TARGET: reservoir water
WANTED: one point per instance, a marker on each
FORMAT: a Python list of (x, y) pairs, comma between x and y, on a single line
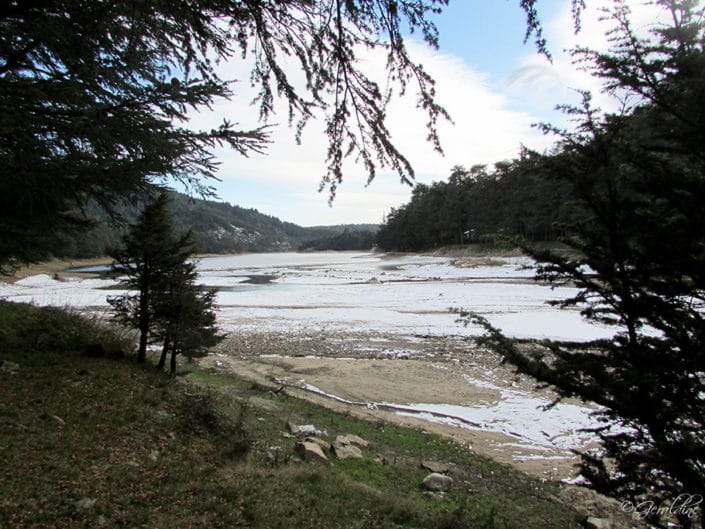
[(354, 292)]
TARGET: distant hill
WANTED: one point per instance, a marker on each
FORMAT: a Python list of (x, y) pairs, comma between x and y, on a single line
[(349, 239), (218, 227)]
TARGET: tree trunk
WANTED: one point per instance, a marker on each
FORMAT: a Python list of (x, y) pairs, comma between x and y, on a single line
[(144, 325), (165, 351), (172, 367), (142, 351)]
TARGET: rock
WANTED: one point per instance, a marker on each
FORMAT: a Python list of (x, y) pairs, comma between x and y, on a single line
[(437, 482), (597, 511), (597, 523), (310, 451), (292, 428), (85, 503), (343, 451), (309, 430), (325, 445), (9, 367), (434, 466), (352, 439), (154, 456), (303, 430)]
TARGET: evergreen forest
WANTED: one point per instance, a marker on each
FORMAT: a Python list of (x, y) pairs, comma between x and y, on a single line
[(216, 227), (480, 204)]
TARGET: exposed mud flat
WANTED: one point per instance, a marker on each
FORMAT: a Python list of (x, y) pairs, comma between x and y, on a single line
[(441, 385)]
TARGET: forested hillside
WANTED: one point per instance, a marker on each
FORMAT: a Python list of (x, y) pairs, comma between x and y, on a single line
[(353, 237), (478, 204), (217, 227)]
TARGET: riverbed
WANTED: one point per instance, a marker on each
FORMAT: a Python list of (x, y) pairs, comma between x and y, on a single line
[(375, 334)]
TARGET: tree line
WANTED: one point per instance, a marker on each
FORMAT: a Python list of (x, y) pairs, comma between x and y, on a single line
[(216, 227), (349, 239), (479, 204)]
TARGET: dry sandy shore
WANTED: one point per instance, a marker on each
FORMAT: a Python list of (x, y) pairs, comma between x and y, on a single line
[(55, 267), (349, 373)]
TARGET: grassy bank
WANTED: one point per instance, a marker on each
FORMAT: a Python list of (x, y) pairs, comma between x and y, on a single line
[(103, 442)]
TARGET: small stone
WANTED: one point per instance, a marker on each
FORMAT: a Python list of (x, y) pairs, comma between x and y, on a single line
[(154, 456), (437, 482), (310, 451), (434, 466), (292, 428), (598, 523), (342, 451), (309, 430), (86, 503), (303, 430), (352, 439)]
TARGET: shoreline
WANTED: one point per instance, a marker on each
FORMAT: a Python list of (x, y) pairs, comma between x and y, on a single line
[(445, 377), (56, 268)]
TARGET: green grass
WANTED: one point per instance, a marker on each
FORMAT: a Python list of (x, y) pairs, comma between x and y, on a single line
[(199, 450)]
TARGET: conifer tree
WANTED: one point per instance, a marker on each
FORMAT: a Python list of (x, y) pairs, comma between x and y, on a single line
[(184, 315), (637, 235), (151, 253)]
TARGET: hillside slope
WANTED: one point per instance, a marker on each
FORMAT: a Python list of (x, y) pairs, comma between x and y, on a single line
[(103, 442), (217, 227)]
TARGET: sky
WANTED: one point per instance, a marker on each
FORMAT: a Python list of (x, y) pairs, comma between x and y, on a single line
[(494, 86)]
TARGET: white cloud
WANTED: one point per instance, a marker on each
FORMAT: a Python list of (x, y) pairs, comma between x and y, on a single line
[(487, 129), (491, 122), (548, 83)]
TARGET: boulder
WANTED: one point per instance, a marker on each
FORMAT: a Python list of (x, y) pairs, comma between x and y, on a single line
[(434, 466), (437, 482), (343, 451), (325, 445), (352, 439), (310, 451)]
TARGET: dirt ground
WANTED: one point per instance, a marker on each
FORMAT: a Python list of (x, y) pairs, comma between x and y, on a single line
[(350, 374), (55, 267)]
